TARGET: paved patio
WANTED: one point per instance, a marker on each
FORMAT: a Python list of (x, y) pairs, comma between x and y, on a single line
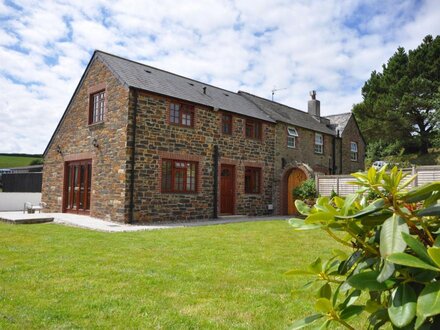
[(88, 222)]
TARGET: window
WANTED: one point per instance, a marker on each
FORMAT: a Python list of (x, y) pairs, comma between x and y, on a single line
[(253, 129), (319, 143), (182, 114), (178, 176), (292, 134), (97, 106), (226, 124), (252, 180), (353, 151)]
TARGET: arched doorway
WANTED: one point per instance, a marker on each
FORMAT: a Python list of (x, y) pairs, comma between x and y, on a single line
[(294, 179)]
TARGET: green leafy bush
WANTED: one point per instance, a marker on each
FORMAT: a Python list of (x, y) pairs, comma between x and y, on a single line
[(306, 190), (393, 271)]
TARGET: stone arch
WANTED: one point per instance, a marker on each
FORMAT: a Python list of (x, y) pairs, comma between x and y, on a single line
[(307, 170)]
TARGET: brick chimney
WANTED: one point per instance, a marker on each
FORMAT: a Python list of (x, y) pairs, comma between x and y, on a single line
[(314, 106)]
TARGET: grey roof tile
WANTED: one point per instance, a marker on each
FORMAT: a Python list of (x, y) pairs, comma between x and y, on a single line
[(148, 78), (339, 121), (286, 114)]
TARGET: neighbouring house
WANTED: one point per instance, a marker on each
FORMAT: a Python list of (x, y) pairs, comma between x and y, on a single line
[(139, 144)]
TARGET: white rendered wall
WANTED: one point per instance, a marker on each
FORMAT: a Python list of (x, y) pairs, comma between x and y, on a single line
[(14, 201)]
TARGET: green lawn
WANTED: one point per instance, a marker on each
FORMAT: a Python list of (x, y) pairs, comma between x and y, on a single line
[(213, 277), (8, 161)]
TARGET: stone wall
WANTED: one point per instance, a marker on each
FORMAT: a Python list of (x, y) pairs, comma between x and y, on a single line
[(352, 134), (156, 139), (288, 158), (75, 136)]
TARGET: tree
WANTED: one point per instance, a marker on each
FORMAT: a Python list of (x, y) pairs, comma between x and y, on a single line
[(401, 102)]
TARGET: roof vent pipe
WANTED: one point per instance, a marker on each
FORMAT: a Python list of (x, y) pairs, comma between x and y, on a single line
[(204, 90)]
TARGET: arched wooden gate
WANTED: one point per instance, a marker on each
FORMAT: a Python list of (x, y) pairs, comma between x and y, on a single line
[(295, 178)]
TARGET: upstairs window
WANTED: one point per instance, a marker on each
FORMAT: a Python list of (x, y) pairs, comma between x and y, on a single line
[(179, 176), (253, 129), (353, 151), (252, 180), (182, 115), (97, 106), (227, 124), (292, 134), (319, 143)]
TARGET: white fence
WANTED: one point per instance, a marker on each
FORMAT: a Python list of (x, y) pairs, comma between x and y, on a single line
[(14, 201), (325, 184)]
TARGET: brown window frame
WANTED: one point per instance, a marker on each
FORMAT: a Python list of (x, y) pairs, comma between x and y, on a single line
[(227, 122), (255, 131), (97, 108), (182, 111), (255, 175), (176, 167)]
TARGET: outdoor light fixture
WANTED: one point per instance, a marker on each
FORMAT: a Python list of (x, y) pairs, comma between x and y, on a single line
[(95, 143), (58, 149)]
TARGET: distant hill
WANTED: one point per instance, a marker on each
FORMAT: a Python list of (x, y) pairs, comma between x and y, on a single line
[(17, 160)]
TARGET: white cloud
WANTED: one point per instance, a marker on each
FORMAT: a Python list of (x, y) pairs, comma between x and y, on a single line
[(252, 45)]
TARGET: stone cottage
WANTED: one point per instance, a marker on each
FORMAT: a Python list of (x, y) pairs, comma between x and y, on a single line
[(139, 144)]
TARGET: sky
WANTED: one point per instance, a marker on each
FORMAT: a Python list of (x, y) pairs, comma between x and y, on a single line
[(293, 46)]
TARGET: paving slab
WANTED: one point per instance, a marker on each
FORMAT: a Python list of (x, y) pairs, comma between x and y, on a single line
[(24, 218), (88, 222)]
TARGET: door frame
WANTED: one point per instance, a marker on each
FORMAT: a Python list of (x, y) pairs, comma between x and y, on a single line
[(283, 207), (65, 200), (233, 171)]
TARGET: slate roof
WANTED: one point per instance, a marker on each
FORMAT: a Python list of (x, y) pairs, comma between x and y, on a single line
[(138, 75), (286, 114), (148, 78), (339, 121)]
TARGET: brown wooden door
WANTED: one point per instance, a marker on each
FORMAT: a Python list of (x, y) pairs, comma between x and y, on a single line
[(77, 186), (295, 178), (227, 189)]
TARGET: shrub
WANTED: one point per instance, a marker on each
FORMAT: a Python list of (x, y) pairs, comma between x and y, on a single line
[(37, 162), (306, 190), (394, 264)]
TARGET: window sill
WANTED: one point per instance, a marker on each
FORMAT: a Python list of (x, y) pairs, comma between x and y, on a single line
[(97, 124), (181, 126), (253, 139), (291, 147), (178, 193)]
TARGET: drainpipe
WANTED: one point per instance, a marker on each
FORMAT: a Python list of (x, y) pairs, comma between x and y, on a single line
[(215, 173), (340, 152), (133, 161), (334, 156)]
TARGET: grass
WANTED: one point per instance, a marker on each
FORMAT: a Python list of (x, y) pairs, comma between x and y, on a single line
[(213, 277), (407, 160), (8, 161)]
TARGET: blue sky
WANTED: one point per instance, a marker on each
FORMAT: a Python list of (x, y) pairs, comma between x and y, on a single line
[(252, 45)]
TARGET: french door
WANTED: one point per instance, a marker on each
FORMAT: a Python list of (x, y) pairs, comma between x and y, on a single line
[(77, 186)]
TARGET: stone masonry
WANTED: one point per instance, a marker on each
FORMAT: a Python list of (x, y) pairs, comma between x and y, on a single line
[(74, 139), (157, 139), (352, 134)]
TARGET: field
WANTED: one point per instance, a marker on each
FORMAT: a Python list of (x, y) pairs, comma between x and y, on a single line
[(213, 277), (13, 160)]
